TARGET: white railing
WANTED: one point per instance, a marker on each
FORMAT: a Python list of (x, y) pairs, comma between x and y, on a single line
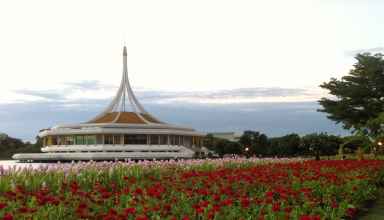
[(106, 148), (185, 153)]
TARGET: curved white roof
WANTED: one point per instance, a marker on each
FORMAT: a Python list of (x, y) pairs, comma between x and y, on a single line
[(123, 115)]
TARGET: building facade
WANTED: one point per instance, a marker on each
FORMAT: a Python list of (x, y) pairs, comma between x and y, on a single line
[(124, 130)]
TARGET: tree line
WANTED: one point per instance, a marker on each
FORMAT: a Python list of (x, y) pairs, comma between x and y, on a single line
[(10, 146), (253, 143)]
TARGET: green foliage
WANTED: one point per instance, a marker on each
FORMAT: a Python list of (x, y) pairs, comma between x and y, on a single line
[(288, 145), (376, 125), (320, 144), (352, 143), (255, 141), (221, 146), (10, 146), (358, 97)]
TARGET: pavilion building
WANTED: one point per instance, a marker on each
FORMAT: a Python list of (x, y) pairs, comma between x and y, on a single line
[(124, 130)]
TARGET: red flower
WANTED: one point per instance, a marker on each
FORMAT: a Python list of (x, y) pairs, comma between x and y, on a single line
[(23, 210), (199, 210), (106, 195), (112, 211), (167, 207), (226, 202), (245, 202), (2, 205), (351, 212), (8, 216), (276, 207), (129, 211), (138, 191), (287, 209), (142, 218), (155, 191), (216, 197), (82, 206), (216, 208), (310, 217), (109, 217), (74, 187), (82, 211), (269, 194)]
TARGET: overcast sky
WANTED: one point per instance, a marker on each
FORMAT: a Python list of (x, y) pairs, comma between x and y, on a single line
[(57, 55)]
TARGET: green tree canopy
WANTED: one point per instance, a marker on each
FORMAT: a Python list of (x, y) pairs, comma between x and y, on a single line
[(352, 143), (10, 146), (255, 141), (359, 96), (222, 146), (320, 144), (287, 145)]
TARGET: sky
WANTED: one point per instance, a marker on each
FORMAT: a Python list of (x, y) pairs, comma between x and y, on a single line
[(213, 65)]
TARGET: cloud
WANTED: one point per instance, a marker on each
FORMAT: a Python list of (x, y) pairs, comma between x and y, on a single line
[(264, 92), (88, 85), (24, 120), (272, 110), (80, 91), (373, 50), (69, 92), (241, 95), (43, 94)]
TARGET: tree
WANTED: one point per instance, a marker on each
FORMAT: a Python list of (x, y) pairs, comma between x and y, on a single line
[(320, 144), (377, 126), (288, 145), (352, 143), (209, 142), (221, 146), (359, 96), (331, 145), (10, 146), (255, 141)]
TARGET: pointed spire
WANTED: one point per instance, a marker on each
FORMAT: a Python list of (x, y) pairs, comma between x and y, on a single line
[(125, 51), (118, 105), (125, 63)]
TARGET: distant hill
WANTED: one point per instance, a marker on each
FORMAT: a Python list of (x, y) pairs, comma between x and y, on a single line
[(10, 146)]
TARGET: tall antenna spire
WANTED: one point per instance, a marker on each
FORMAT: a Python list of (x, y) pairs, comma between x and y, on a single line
[(118, 106), (125, 73), (125, 50)]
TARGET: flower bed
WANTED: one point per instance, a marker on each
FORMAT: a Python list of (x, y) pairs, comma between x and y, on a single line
[(214, 189)]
